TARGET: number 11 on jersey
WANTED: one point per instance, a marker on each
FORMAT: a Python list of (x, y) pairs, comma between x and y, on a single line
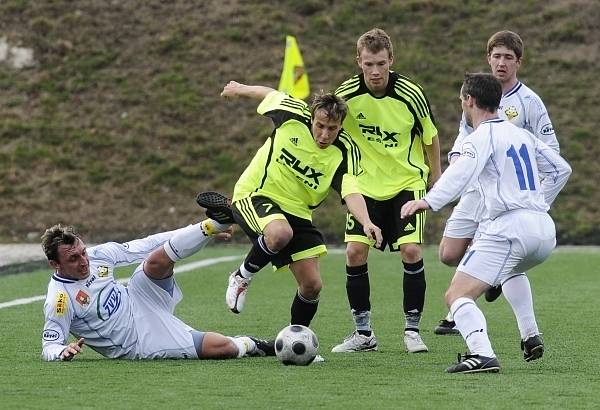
[(522, 156)]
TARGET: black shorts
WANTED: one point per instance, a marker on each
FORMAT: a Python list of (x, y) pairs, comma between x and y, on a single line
[(386, 215), (255, 212)]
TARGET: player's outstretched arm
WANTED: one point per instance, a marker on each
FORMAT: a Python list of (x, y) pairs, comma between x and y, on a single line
[(72, 350), (235, 89)]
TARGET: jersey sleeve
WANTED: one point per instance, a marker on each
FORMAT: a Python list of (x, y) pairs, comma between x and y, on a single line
[(414, 94), (463, 130), (553, 169), (461, 174), (58, 315), (540, 122), (280, 107)]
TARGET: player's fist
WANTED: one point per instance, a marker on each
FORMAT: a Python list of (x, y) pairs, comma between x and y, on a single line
[(231, 89)]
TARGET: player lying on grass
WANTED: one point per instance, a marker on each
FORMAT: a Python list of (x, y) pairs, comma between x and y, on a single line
[(134, 321)]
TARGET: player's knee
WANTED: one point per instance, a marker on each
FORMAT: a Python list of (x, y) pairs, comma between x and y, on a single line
[(448, 257), (311, 288), (158, 265), (356, 254), (411, 252), (278, 237)]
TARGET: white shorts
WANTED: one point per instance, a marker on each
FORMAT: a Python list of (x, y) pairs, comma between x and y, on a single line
[(465, 217), (514, 242), (161, 335)]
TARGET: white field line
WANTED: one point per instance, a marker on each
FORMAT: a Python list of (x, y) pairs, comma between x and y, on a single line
[(178, 269)]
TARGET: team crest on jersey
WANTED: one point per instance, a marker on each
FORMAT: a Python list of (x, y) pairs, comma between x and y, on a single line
[(61, 303), (82, 298), (511, 112), (102, 271)]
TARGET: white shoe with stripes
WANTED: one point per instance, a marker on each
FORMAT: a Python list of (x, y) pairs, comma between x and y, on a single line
[(474, 363)]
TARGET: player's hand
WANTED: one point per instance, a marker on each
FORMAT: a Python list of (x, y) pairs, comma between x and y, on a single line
[(225, 236), (374, 233), (412, 207), (72, 350), (231, 89)]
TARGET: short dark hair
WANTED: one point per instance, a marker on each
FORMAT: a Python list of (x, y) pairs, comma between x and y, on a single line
[(55, 236), (508, 39), (374, 41), (485, 88), (335, 106)]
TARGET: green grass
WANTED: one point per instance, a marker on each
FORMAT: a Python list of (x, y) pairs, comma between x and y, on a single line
[(566, 377)]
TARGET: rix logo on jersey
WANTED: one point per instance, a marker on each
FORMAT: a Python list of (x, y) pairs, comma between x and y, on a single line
[(287, 158), (375, 134)]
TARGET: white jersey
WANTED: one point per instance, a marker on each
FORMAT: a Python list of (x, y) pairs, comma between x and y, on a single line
[(523, 108), (507, 164), (97, 308)]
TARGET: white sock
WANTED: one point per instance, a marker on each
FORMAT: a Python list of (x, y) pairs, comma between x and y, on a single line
[(185, 242), (244, 345), (472, 326), (449, 317), (517, 292), (245, 272)]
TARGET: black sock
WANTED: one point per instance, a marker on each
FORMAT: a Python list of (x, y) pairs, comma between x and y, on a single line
[(358, 288), (259, 256), (414, 286), (303, 310)]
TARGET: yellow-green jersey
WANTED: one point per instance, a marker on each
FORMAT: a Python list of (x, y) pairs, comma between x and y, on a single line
[(290, 168), (390, 132)]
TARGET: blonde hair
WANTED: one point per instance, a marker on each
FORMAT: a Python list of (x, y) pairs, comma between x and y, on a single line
[(335, 107), (374, 41)]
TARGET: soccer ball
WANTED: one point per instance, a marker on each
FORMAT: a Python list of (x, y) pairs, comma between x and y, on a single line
[(296, 345)]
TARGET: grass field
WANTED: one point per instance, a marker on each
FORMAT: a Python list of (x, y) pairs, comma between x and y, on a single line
[(566, 377)]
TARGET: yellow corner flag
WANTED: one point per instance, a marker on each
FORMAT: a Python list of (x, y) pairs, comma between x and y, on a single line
[(294, 80)]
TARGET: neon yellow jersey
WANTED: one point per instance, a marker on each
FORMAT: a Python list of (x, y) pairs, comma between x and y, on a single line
[(290, 168), (390, 132)]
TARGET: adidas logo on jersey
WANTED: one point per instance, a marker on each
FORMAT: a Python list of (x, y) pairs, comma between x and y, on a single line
[(294, 140), (409, 227), (360, 116)]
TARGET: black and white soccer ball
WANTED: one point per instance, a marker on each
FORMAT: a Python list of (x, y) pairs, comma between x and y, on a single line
[(296, 345)]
